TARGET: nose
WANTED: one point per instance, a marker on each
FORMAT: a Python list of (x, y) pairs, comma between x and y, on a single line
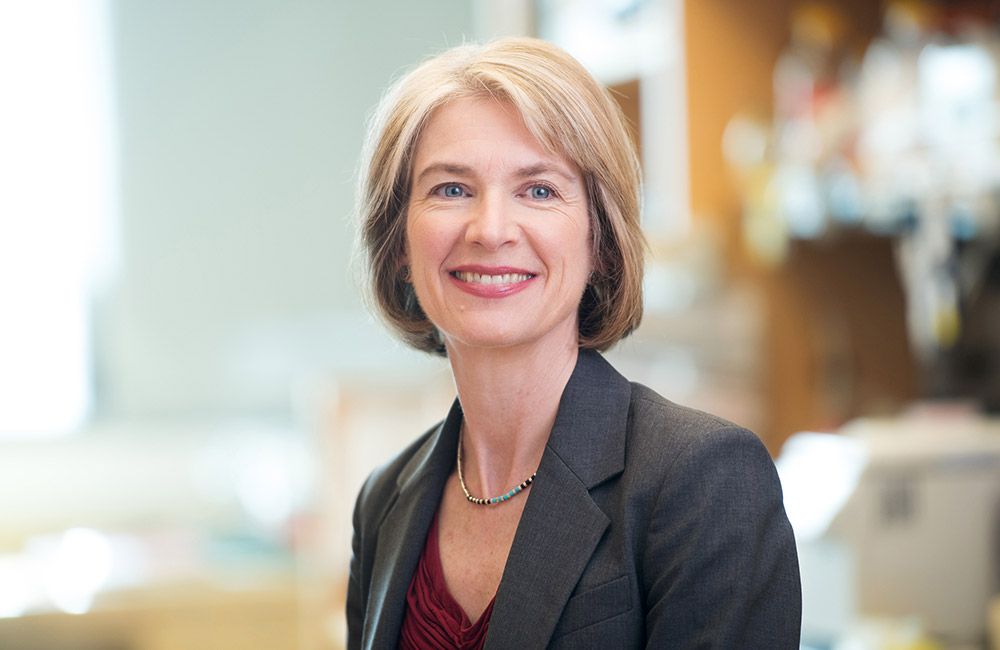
[(491, 223)]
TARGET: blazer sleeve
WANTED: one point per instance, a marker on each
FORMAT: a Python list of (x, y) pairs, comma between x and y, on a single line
[(357, 583), (720, 568)]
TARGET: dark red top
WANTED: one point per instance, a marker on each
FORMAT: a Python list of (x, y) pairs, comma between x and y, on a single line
[(434, 621)]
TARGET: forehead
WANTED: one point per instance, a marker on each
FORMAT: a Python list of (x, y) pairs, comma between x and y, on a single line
[(481, 131)]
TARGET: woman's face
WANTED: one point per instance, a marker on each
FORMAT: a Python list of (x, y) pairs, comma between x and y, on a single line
[(497, 232)]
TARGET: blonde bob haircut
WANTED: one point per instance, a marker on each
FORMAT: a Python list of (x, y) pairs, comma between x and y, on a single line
[(570, 114)]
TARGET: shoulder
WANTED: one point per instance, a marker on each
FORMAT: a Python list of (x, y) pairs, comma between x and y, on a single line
[(380, 489), (683, 448), (376, 499), (656, 422), (718, 558), (650, 410)]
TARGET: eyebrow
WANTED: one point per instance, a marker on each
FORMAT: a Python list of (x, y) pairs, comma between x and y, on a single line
[(522, 172), (544, 168), (448, 168)]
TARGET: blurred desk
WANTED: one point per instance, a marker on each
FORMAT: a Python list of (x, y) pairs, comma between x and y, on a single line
[(995, 623), (165, 535), (188, 616)]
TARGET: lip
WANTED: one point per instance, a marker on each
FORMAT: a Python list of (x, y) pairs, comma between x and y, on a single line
[(498, 290)]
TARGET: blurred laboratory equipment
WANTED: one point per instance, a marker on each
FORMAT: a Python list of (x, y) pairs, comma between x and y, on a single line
[(896, 520), (899, 139), (813, 118)]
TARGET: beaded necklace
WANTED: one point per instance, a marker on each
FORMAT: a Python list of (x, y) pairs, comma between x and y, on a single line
[(488, 502)]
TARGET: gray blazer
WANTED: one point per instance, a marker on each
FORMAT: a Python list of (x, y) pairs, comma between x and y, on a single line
[(648, 525)]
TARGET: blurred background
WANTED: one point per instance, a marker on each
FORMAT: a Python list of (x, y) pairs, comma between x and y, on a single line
[(191, 390)]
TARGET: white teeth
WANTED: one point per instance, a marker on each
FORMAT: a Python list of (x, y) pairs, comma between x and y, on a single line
[(478, 278)]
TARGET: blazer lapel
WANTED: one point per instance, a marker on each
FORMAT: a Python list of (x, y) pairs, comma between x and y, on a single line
[(402, 534), (561, 525)]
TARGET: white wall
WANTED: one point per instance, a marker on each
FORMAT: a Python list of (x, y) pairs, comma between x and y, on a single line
[(240, 126)]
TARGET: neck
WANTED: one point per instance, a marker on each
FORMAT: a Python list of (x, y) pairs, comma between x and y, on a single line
[(509, 400)]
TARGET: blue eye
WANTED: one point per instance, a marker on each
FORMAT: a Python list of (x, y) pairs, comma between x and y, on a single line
[(452, 191), (540, 192)]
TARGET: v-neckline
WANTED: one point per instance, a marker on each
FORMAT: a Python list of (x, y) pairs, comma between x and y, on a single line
[(441, 586)]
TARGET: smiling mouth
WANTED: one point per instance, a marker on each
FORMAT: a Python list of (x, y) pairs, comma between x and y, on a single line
[(482, 278)]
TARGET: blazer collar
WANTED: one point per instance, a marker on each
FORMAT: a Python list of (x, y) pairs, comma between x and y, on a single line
[(561, 524), (403, 532), (589, 431), (559, 529)]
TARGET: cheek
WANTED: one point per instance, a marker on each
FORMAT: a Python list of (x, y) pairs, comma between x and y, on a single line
[(426, 245), (579, 248)]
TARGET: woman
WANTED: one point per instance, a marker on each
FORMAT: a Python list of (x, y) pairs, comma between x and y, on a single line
[(557, 505)]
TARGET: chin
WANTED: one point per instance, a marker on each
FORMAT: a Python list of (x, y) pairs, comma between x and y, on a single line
[(500, 340), (492, 342)]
